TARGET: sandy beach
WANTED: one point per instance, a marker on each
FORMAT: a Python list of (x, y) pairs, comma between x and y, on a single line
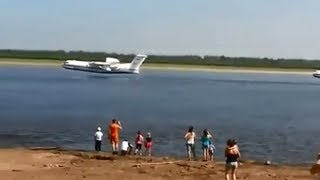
[(51, 164), (222, 69), (227, 69)]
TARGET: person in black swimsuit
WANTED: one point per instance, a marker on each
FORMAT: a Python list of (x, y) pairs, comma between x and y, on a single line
[(232, 155)]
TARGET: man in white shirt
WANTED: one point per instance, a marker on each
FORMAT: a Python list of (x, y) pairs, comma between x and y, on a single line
[(98, 138), (126, 147)]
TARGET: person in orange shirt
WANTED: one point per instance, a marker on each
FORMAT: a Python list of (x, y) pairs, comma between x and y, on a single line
[(113, 135)]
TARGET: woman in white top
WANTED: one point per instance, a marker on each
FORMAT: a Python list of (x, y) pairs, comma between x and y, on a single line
[(190, 137)]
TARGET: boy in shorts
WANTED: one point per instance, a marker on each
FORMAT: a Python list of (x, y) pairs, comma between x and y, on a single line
[(212, 149)]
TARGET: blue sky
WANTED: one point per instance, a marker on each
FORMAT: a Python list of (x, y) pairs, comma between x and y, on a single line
[(255, 28)]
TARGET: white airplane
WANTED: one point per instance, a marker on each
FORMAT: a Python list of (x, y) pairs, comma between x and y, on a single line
[(316, 74), (111, 65)]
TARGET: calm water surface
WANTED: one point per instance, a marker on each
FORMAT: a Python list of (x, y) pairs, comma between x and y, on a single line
[(273, 116)]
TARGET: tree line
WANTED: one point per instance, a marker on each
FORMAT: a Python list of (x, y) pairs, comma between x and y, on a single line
[(162, 59)]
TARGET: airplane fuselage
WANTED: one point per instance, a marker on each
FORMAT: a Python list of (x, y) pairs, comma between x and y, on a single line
[(110, 66), (99, 67), (316, 74)]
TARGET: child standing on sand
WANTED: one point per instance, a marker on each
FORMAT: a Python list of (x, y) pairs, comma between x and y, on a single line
[(98, 139), (139, 142), (212, 149), (148, 143), (205, 140), (124, 147)]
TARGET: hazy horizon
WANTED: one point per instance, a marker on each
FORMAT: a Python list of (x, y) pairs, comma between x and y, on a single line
[(250, 28)]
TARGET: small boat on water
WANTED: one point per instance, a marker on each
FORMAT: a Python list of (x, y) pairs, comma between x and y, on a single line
[(316, 74)]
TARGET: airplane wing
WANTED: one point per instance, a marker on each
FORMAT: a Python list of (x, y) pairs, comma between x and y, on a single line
[(98, 65), (108, 66)]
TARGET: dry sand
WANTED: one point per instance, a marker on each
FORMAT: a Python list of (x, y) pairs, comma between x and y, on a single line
[(73, 165)]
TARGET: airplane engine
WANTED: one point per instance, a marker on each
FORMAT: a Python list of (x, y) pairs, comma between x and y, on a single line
[(108, 68)]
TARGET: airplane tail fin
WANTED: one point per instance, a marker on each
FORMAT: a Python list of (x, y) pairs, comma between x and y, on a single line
[(137, 62)]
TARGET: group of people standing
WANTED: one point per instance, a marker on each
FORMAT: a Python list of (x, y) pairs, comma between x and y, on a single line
[(126, 146), (208, 147), (232, 152)]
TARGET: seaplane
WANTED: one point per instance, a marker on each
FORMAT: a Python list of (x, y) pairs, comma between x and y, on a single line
[(110, 66), (316, 74)]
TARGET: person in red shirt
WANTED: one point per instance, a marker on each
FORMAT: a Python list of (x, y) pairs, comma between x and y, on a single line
[(113, 133)]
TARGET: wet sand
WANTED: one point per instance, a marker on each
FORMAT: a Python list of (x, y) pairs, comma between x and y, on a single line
[(46, 164)]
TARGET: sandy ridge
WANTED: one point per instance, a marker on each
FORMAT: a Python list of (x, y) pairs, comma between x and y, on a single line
[(175, 68)]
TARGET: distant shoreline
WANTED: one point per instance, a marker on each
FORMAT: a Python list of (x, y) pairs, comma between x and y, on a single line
[(209, 68)]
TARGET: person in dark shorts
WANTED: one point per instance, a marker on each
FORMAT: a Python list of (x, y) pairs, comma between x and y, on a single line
[(98, 139), (190, 140), (232, 155), (139, 141)]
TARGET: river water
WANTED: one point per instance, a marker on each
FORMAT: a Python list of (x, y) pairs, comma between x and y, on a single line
[(273, 116)]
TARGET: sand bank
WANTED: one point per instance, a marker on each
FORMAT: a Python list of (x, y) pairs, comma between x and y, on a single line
[(222, 69), (69, 165), (228, 69), (8, 62)]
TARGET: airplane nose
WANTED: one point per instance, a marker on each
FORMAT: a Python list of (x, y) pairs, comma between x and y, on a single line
[(65, 64)]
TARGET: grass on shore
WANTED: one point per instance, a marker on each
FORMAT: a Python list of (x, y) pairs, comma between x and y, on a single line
[(39, 62)]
